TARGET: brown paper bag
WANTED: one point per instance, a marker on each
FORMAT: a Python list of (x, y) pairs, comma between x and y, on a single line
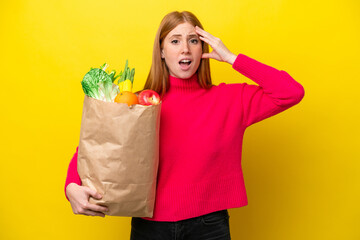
[(118, 155)]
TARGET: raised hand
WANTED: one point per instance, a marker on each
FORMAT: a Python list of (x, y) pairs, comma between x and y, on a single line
[(220, 51)]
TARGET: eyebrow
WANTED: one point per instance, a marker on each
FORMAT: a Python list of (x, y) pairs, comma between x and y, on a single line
[(189, 36)]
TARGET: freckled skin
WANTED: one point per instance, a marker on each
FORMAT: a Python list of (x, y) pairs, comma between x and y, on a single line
[(183, 46)]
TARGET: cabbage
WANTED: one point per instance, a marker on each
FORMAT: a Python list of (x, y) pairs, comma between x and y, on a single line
[(99, 84)]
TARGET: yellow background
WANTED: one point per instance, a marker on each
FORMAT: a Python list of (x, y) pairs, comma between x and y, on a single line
[(301, 167)]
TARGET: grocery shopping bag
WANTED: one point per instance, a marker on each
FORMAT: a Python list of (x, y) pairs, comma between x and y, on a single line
[(118, 155)]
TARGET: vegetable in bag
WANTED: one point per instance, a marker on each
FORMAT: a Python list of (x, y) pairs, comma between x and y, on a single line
[(99, 84)]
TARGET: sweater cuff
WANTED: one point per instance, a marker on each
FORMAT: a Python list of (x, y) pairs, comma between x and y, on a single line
[(240, 61), (72, 174), (253, 69), (236, 63)]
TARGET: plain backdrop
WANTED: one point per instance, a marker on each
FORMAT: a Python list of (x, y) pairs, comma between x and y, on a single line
[(301, 167)]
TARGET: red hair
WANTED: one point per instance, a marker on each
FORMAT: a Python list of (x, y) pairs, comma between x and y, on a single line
[(158, 78)]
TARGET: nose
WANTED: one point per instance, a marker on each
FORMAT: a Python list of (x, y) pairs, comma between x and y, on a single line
[(185, 47)]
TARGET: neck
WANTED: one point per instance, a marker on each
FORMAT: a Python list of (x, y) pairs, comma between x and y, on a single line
[(184, 85)]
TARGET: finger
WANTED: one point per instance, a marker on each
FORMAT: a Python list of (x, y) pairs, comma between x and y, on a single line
[(207, 37), (203, 32), (96, 208), (207, 55), (211, 42), (212, 55), (92, 213), (93, 193), (205, 40)]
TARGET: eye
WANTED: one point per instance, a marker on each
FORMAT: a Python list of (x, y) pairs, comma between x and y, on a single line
[(174, 41), (194, 40)]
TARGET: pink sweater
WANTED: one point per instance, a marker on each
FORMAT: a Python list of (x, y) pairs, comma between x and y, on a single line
[(201, 138)]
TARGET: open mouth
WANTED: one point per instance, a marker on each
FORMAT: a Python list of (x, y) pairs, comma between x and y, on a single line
[(185, 62)]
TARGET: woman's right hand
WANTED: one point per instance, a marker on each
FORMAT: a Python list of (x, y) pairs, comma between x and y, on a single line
[(79, 200)]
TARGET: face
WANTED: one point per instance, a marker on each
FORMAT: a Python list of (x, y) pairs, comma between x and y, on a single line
[(182, 50)]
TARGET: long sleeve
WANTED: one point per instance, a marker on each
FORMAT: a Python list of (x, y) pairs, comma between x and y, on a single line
[(277, 90), (200, 169), (72, 173)]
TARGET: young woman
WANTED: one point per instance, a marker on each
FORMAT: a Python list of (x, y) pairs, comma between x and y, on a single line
[(202, 128)]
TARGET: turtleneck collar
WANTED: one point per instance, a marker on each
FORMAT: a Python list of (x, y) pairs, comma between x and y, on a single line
[(184, 85)]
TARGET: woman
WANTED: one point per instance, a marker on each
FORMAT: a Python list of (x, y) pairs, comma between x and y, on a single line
[(202, 128)]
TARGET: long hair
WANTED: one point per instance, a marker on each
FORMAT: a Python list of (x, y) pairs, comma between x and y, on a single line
[(158, 78)]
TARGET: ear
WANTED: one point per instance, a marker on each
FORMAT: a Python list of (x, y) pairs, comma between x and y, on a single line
[(162, 54)]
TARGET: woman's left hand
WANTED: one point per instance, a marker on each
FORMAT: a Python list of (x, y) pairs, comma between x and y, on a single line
[(220, 51)]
